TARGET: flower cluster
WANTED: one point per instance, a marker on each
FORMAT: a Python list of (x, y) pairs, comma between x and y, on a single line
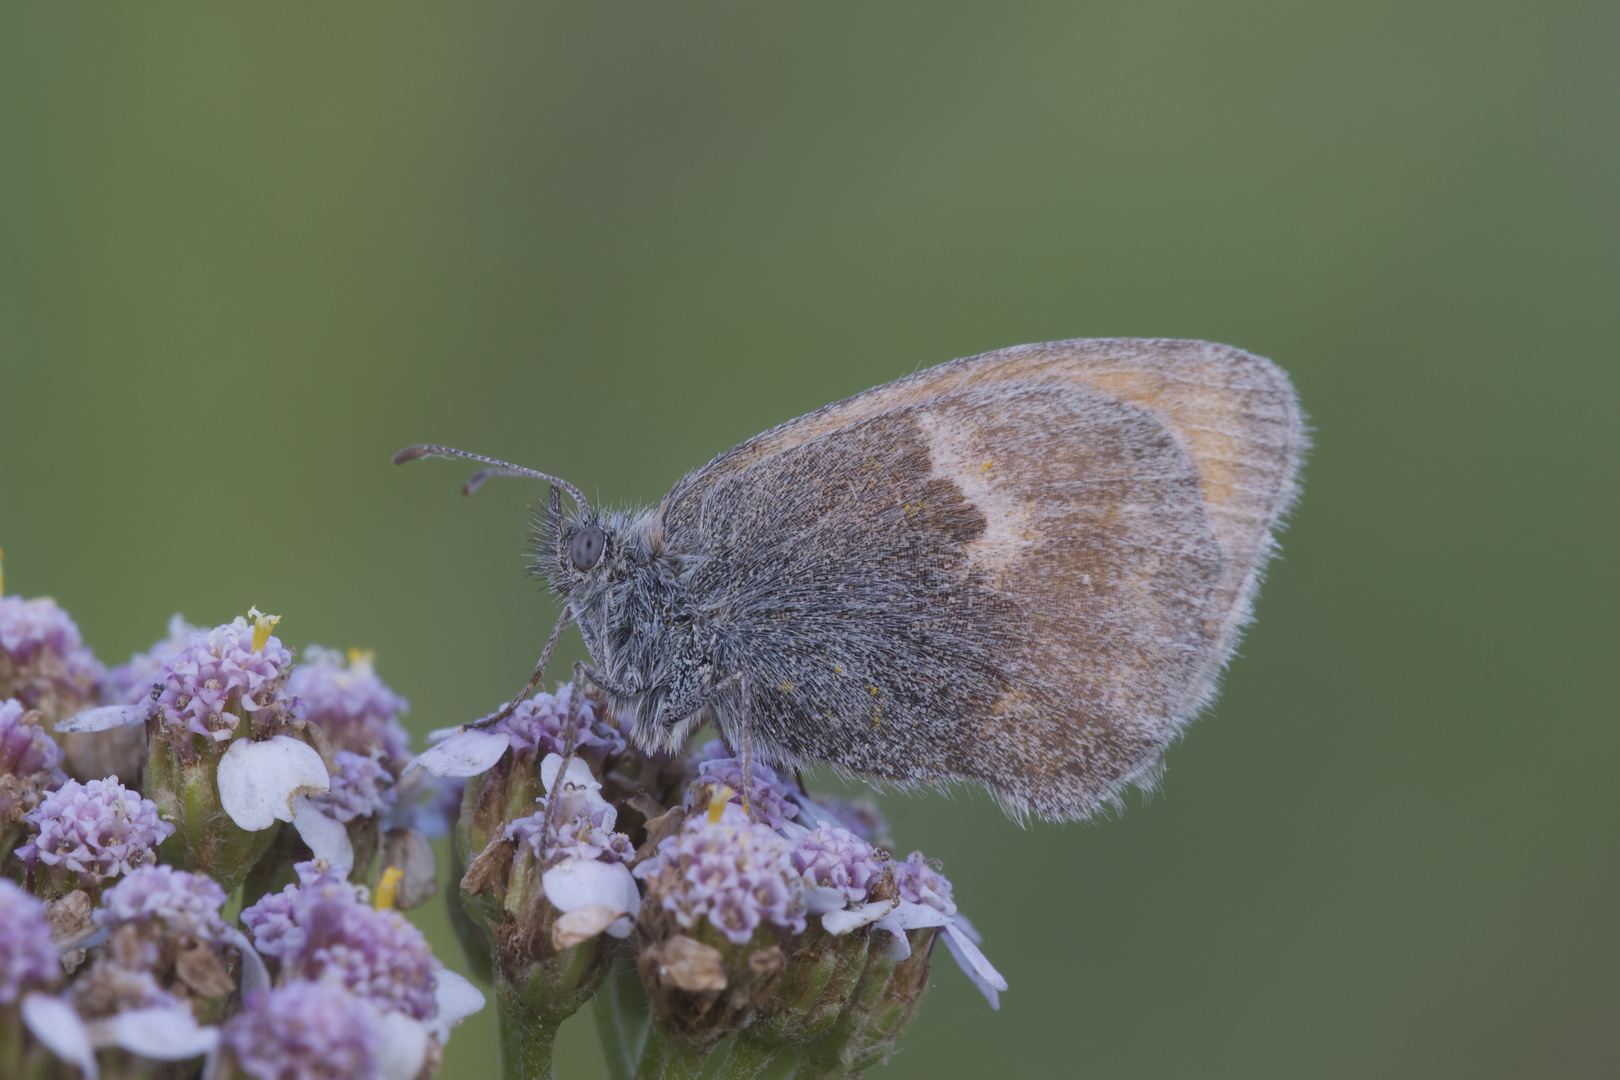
[(184, 902), (132, 683), (218, 678), (539, 724), (320, 929), (582, 829), (44, 663), (836, 862), (361, 787), (305, 1031), (753, 911), (96, 830), (733, 872), (116, 953), (30, 763), (770, 799)]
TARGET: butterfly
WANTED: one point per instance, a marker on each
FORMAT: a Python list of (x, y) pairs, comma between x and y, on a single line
[(1023, 570)]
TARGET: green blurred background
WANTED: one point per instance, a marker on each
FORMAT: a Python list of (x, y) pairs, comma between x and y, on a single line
[(248, 251)]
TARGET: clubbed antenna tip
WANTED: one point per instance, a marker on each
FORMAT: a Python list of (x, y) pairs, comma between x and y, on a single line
[(496, 468)]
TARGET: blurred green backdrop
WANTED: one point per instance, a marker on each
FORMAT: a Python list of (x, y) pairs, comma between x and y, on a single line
[(247, 251)]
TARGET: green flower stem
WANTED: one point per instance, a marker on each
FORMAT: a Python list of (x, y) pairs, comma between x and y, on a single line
[(666, 1056), (528, 1040), (620, 1011), (746, 1059)]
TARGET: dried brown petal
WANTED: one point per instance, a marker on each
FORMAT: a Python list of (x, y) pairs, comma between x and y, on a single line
[(581, 924), (691, 965), (199, 967)]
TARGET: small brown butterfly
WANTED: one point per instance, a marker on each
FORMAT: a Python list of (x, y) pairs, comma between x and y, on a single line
[(1023, 569)]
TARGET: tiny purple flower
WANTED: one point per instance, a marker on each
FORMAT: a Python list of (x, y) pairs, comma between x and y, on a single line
[(355, 709), (320, 929), (579, 838), (833, 858), (44, 663), (583, 827), (30, 766), (25, 748), (733, 872), (216, 670), (773, 799), (98, 830), (305, 1031), (921, 883), (28, 960), (361, 787), (537, 727), (187, 903)]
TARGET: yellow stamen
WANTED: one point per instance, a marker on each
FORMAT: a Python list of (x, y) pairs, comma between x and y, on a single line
[(388, 887), (717, 803), (362, 657), (262, 625)]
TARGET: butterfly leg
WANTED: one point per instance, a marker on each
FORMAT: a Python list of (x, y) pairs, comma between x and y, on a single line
[(570, 736), (745, 737), (747, 747), (620, 692), (534, 680)]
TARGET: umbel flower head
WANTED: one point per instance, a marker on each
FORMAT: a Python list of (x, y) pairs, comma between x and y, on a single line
[(321, 929), (501, 763), (91, 832), (44, 663), (723, 897), (182, 902), (225, 676)]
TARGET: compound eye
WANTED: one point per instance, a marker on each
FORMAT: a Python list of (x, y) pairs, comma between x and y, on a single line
[(586, 547)]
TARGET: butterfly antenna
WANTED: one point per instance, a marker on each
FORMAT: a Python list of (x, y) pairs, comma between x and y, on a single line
[(496, 468)]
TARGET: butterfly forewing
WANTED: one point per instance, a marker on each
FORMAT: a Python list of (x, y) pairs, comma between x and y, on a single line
[(1022, 569)]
